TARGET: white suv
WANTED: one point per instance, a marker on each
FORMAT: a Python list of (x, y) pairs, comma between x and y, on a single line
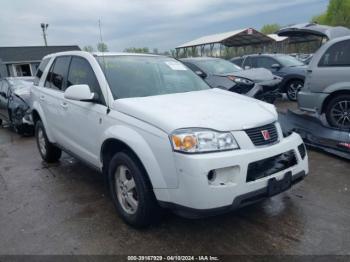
[(161, 136)]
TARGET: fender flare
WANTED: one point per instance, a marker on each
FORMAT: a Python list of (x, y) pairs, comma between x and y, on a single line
[(141, 148)]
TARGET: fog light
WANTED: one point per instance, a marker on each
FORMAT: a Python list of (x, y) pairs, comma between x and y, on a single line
[(302, 150), (211, 176)]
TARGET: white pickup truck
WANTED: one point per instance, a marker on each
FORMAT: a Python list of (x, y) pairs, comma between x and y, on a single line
[(161, 137)]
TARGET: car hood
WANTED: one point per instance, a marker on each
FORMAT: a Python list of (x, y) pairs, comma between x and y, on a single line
[(214, 108), (255, 74)]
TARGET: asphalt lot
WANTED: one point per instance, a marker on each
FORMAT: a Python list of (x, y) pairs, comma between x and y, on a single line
[(64, 209)]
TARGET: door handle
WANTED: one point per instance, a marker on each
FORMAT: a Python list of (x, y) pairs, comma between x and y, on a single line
[(64, 105), (309, 71), (42, 98)]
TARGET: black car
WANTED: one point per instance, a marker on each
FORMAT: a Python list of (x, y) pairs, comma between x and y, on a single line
[(15, 104), (219, 73), (292, 70)]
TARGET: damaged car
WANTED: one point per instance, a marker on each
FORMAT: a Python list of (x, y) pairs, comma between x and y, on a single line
[(15, 103), (219, 73)]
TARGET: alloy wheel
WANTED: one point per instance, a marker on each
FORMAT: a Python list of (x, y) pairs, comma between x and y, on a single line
[(126, 190), (340, 113), (293, 90), (42, 142)]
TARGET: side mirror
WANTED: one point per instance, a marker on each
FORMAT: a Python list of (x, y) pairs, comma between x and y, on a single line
[(276, 66), (80, 93), (201, 74)]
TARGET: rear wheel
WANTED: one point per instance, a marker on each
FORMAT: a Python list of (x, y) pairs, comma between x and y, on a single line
[(293, 88), (338, 111), (131, 191), (48, 151)]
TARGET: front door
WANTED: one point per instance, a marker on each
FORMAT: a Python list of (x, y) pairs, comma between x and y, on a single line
[(83, 121)]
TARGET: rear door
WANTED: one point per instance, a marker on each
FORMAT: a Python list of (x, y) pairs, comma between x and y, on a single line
[(51, 96), (331, 67)]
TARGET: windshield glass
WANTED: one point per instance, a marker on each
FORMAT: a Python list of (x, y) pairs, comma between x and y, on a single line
[(288, 60), (217, 66), (140, 76)]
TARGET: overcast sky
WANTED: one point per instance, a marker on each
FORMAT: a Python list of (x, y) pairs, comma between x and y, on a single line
[(162, 24)]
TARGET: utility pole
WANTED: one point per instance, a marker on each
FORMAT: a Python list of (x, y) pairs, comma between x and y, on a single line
[(44, 28)]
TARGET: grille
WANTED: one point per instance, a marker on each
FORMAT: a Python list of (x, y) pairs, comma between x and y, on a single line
[(270, 166), (256, 135)]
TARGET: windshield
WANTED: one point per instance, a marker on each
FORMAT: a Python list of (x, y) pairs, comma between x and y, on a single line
[(217, 66), (289, 61), (140, 76)]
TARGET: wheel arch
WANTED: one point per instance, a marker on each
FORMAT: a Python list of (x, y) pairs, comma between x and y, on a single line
[(290, 79), (331, 96), (122, 138)]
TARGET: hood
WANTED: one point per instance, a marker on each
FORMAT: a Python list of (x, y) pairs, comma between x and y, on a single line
[(255, 74), (308, 30), (213, 108)]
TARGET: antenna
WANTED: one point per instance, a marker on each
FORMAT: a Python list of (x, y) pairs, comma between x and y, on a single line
[(104, 65)]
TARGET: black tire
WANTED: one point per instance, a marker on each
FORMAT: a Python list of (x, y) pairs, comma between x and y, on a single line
[(148, 211), (292, 89), (51, 153), (338, 111)]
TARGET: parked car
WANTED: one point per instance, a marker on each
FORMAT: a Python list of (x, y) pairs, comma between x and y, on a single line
[(289, 68), (15, 103), (219, 73), (160, 135), (327, 84)]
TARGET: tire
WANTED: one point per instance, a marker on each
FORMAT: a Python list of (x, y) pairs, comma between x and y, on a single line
[(131, 191), (48, 151), (292, 89), (338, 111)]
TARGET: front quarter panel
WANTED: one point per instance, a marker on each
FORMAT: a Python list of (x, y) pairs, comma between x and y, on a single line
[(153, 148)]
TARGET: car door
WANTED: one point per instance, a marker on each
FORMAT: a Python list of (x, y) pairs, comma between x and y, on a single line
[(83, 121), (333, 66), (51, 96), (4, 94)]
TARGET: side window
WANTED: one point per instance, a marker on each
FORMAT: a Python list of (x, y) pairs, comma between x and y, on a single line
[(80, 72), (40, 70), (248, 62), (336, 55), (56, 79), (265, 62), (238, 61)]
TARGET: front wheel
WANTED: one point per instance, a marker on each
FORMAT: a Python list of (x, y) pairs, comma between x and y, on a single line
[(293, 88), (131, 191), (338, 111), (48, 151)]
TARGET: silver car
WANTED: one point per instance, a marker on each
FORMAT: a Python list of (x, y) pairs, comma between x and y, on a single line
[(327, 84)]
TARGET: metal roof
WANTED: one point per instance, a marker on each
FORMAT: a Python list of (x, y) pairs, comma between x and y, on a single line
[(241, 37), (30, 53)]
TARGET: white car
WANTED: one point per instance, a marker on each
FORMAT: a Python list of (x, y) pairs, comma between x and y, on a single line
[(161, 136)]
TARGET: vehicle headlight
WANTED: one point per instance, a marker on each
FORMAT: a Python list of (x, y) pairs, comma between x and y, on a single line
[(240, 80), (202, 141)]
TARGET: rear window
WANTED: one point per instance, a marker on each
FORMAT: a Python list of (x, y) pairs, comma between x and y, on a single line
[(336, 55)]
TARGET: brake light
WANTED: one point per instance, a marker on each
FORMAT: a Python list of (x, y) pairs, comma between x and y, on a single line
[(346, 145)]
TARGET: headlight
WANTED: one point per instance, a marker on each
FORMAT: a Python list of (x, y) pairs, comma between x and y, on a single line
[(240, 80), (202, 140)]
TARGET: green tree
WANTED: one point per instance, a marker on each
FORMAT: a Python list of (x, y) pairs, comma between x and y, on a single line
[(102, 47), (88, 48), (337, 14), (270, 28)]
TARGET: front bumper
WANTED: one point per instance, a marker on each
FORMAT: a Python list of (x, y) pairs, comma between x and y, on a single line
[(196, 192)]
